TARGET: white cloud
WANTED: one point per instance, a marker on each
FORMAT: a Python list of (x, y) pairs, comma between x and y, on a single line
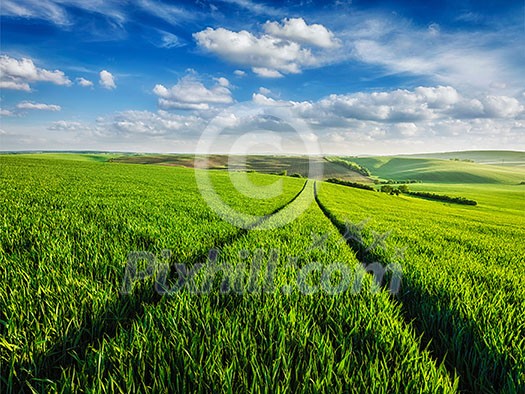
[(5, 112), (56, 11), (107, 80), (408, 120), (263, 100), (222, 81), (265, 91), (17, 74), (167, 12), (160, 123), (15, 85), (267, 55), (47, 10), (190, 93), (266, 72), (423, 118), (169, 40), (38, 106), (67, 126), (395, 106), (239, 73), (501, 107), (255, 8), (297, 30), (439, 97), (423, 104), (84, 82), (406, 129), (465, 59), (433, 29)]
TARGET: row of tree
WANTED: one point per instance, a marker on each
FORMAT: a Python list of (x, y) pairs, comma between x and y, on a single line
[(430, 196), (351, 184)]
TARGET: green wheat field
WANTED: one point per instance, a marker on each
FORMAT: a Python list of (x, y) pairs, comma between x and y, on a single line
[(118, 276)]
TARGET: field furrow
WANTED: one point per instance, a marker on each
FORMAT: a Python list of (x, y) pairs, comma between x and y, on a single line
[(64, 238), (462, 285), (269, 321)]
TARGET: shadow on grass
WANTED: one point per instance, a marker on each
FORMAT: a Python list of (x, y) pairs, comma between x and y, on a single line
[(450, 337), (119, 314)]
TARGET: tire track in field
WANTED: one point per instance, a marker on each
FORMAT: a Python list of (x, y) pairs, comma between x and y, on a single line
[(425, 343), (437, 327), (118, 314)]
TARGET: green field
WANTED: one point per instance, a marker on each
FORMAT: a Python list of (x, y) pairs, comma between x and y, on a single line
[(495, 157), (441, 170), (282, 300)]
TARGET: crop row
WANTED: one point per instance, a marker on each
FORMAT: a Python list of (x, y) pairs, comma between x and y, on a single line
[(65, 230), (462, 281), (266, 336)]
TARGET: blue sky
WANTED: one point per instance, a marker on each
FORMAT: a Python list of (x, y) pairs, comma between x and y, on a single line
[(350, 77)]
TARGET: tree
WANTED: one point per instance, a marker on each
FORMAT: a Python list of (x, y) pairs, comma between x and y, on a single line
[(404, 189), (387, 189)]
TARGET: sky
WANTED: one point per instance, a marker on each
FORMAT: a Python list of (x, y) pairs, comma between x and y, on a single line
[(246, 76)]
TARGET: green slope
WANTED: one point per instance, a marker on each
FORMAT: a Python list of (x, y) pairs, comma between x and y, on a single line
[(496, 157), (75, 156), (440, 171)]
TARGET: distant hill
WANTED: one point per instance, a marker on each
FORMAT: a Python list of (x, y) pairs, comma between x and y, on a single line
[(495, 157), (260, 163), (442, 170), (494, 167)]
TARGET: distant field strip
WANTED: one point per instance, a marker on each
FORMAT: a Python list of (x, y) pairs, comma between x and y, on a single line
[(462, 280)]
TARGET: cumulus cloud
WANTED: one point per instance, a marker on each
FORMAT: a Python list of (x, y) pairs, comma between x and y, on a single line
[(222, 81), (501, 107), (401, 120), (84, 82), (297, 30), (107, 81), (395, 106), (239, 73), (160, 123), (15, 85), (190, 93), (17, 74), (38, 106), (417, 105), (268, 55), (5, 112), (438, 97), (406, 129), (407, 119), (264, 100)]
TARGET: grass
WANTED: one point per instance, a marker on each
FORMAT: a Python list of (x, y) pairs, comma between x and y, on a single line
[(263, 164), (496, 157), (462, 282), (67, 224), (441, 171)]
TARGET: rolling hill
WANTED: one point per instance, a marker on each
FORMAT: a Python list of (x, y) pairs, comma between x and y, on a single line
[(434, 170)]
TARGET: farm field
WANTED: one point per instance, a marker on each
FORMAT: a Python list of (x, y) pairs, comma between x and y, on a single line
[(264, 164), (258, 306)]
